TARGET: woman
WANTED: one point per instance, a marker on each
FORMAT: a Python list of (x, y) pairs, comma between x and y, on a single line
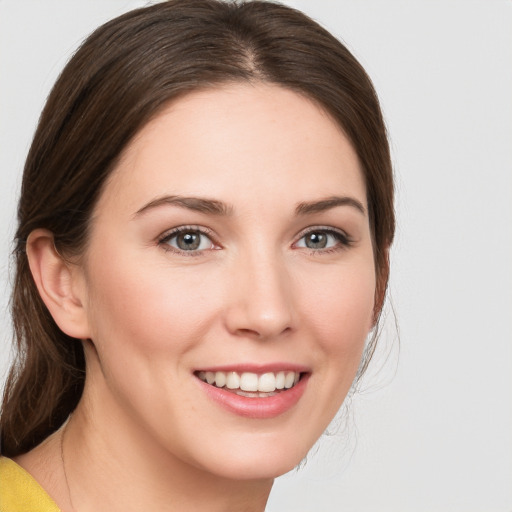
[(202, 251)]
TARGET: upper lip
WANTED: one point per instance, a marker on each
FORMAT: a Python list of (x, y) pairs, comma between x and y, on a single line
[(256, 368)]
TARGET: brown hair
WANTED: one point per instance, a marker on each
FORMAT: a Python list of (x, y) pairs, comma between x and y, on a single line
[(119, 79)]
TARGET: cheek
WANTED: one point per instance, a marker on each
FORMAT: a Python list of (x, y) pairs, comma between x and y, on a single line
[(149, 309), (337, 316), (340, 306)]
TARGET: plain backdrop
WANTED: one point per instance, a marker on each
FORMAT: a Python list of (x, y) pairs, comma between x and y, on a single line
[(431, 429)]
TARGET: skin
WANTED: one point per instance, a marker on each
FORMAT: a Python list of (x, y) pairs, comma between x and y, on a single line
[(145, 436)]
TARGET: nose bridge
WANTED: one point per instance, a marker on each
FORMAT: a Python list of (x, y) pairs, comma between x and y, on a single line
[(262, 303)]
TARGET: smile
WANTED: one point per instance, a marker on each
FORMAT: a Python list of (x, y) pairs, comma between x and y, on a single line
[(257, 394), (249, 384)]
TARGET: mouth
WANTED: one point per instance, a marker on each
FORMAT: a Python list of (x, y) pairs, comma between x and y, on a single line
[(250, 384), (254, 392)]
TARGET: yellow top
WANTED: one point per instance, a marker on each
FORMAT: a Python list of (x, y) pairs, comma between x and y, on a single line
[(19, 492)]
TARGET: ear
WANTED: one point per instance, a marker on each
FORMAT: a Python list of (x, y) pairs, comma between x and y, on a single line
[(60, 284)]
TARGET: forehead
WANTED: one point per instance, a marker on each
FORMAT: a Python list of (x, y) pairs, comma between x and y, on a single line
[(238, 142)]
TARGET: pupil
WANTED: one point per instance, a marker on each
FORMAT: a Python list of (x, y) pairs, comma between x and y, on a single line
[(188, 241), (316, 241)]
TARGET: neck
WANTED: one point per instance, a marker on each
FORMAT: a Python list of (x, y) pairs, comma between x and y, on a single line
[(128, 471)]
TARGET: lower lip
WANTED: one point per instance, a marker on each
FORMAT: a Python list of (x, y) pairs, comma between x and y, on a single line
[(257, 408)]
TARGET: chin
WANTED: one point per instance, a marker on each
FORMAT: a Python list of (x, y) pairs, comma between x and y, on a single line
[(262, 458), (267, 467)]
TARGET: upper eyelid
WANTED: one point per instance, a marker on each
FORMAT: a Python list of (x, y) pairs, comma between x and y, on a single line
[(208, 231), (180, 229), (331, 229)]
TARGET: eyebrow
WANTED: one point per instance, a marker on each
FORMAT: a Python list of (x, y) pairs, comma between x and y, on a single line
[(307, 208), (198, 204), (212, 206)]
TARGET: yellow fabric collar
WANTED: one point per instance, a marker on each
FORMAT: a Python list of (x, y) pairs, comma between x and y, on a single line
[(19, 492)]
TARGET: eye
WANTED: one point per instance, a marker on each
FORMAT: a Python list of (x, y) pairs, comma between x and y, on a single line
[(188, 240), (319, 239)]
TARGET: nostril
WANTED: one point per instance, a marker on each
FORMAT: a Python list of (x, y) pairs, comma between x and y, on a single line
[(262, 334), (249, 332)]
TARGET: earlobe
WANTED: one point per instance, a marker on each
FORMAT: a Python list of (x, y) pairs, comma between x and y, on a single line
[(58, 284)]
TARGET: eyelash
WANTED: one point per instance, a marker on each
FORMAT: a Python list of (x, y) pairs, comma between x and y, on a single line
[(169, 235), (343, 240)]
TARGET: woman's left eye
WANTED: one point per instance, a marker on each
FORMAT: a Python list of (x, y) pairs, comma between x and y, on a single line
[(188, 240), (323, 239)]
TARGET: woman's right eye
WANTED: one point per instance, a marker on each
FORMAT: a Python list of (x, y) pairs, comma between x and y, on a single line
[(188, 240)]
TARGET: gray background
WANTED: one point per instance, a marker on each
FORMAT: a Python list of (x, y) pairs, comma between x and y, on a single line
[(431, 429)]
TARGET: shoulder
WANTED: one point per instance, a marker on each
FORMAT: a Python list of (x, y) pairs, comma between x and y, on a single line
[(19, 492)]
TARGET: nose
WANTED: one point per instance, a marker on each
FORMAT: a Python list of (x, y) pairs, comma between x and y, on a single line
[(260, 298)]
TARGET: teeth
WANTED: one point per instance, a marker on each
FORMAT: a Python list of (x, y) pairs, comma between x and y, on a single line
[(267, 382), (220, 379), (289, 379), (249, 382), (252, 383), (232, 380)]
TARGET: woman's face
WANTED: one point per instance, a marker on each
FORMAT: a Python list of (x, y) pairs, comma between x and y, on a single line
[(231, 243)]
